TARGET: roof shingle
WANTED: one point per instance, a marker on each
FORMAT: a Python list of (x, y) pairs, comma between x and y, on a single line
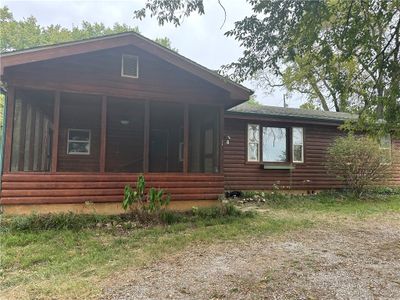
[(292, 113)]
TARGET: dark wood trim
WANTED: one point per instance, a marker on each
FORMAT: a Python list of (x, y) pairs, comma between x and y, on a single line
[(9, 128), (146, 143), (110, 92), (103, 134), (221, 140), (22, 136), (40, 146), (186, 124), (56, 129), (31, 139)]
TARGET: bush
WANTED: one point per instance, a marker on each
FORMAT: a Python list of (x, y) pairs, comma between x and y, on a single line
[(358, 161), (137, 200)]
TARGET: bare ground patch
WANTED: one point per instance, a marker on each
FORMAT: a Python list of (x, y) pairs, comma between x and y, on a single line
[(346, 259)]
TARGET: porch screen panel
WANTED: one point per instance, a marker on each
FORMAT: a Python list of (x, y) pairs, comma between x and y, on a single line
[(166, 137), (125, 135), (204, 139), (79, 133), (32, 131)]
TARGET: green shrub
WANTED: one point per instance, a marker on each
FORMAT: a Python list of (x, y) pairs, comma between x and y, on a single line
[(358, 161), (137, 200)]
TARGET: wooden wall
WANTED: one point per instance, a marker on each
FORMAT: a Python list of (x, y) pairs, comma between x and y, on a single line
[(100, 72), (310, 175), (79, 188)]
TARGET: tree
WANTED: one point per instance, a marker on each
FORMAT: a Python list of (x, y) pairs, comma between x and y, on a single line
[(27, 33), (343, 54), (166, 42)]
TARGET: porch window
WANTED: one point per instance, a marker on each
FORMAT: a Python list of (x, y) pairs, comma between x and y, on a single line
[(32, 131), (275, 144), (298, 145), (253, 142), (78, 141)]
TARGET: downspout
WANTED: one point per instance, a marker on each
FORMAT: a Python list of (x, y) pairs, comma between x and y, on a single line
[(3, 91)]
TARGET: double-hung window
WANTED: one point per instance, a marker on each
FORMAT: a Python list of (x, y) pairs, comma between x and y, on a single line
[(253, 143), (298, 144), (78, 141)]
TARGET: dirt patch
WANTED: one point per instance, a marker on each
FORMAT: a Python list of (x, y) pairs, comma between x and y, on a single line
[(358, 260)]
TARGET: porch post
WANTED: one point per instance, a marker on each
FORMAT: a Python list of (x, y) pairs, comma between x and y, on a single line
[(103, 132), (56, 129), (146, 137), (9, 128), (221, 139), (186, 138)]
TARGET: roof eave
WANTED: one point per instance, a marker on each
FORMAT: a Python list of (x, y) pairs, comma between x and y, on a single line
[(237, 91)]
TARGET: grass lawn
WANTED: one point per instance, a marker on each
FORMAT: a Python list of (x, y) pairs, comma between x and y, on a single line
[(72, 263)]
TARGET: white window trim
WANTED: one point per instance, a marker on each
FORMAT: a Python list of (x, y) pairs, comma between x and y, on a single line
[(122, 66), (302, 146), (248, 142), (79, 141)]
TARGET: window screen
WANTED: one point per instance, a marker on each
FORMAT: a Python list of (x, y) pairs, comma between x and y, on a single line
[(32, 131)]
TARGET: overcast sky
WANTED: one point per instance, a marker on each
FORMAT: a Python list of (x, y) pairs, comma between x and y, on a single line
[(199, 38)]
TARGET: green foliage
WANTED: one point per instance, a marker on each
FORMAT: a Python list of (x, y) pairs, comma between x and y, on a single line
[(28, 33), (358, 161), (166, 42), (71, 221), (134, 197), (343, 55), (137, 200), (253, 101), (310, 105), (62, 221), (157, 200)]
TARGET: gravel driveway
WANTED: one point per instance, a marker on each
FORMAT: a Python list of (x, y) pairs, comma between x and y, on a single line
[(359, 260)]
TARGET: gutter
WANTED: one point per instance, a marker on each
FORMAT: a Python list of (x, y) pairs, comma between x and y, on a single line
[(3, 91)]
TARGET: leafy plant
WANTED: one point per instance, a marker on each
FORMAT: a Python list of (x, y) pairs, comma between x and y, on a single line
[(154, 201), (358, 161), (157, 199), (134, 197)]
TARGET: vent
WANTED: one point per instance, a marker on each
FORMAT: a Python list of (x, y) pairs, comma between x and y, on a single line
[(130, 66)]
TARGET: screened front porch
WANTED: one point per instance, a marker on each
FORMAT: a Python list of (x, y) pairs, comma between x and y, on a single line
[(64, 132)]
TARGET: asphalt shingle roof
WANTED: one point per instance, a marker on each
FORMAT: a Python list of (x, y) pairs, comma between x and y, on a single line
[(295, 113)]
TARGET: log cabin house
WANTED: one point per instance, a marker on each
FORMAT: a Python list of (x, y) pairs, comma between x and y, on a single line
[(85, 118)]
